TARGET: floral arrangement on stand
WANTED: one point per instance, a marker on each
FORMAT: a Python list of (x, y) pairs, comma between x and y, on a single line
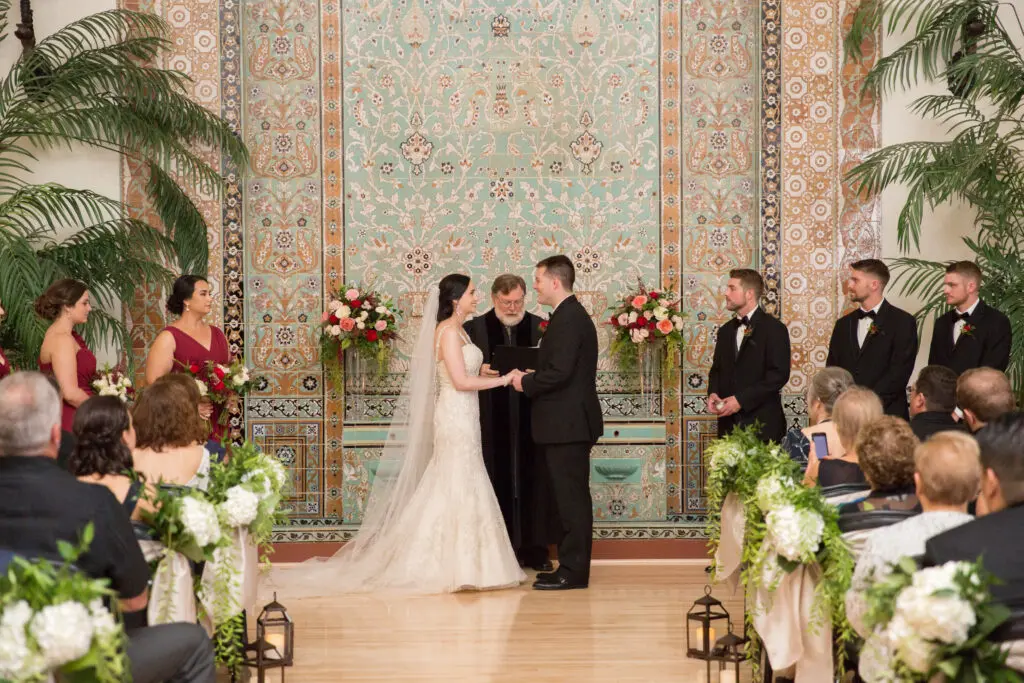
[(54, 622), (225, 527), (114, 382), (361, 319), (223, 384), (786, 525), (931, 622), (644, 319)]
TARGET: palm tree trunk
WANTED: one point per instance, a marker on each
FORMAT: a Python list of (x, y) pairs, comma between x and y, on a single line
[(26, 32)]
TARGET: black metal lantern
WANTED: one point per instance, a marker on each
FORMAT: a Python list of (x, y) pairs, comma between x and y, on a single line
[(700, 627), (729, 650), (275, 641)]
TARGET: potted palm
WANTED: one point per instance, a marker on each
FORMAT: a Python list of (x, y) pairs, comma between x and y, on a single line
[(94, 83), (966, 44)]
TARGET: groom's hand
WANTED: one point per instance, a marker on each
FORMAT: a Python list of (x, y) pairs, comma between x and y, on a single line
[(517, 380)]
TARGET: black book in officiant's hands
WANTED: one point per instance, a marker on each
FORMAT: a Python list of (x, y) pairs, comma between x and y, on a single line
[(508, 358)]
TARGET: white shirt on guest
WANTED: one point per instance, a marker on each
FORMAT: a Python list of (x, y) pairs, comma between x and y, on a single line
[(958, 326), (741, 330), (864, 324), (888, 544)]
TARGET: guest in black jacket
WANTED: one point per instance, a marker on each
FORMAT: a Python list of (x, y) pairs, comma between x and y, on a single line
[(566, 416), (971, 334), (983, 394), (932, 402), (751, 362), (997, 535), (877, 343)]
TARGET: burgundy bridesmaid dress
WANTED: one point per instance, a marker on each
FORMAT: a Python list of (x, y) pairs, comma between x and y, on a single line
[(5, 365), (187, 351), (86, 362)]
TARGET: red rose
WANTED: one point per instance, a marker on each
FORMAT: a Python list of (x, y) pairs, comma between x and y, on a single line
[(333, 319), (543, 324), (219, 372), (356, 303), (652, 324), (219, 386), (371, 335), (652, 295), (194, 369)]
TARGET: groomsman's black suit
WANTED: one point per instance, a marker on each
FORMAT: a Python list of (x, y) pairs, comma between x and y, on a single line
[(987, 345), (755, 374), (885, 362), (566, 424)]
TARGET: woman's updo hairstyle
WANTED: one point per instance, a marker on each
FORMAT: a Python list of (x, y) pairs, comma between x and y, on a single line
[(99, 426), (451, 287), (183, 289), (61, 294)]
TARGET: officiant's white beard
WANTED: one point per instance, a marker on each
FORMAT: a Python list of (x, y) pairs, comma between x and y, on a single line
[(509, 320)]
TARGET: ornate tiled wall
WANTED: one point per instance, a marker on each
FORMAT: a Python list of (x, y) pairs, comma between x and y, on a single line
[(398, 140)]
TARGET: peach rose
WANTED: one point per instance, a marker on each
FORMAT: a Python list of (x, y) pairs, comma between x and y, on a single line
[(639, 300), (347, 324), (380, 325), (664, 326)]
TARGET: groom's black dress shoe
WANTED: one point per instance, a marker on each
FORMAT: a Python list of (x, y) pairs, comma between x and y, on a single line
[(558, 582), (544, 566)]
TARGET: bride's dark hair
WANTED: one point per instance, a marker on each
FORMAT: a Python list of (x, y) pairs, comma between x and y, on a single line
[(451, 287)]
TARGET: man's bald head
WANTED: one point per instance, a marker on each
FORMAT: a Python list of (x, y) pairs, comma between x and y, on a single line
[(31, 409), (983, 394)]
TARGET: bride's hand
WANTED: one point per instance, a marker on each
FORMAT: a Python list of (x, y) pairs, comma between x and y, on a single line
[(487, 371)]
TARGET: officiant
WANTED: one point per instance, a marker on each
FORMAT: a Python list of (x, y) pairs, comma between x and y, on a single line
[(517, 473)]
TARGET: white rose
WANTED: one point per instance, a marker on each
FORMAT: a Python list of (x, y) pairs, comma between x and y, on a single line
[(381, 310), (344, 311), (661, 313), (632, 316), (201, 385), (200, 520), (875, 660), (63, 632), (360, 325), (366, 306), (933, 609), (240, 507), (238, 380), (127, 382), (363, 315), (677, 322)]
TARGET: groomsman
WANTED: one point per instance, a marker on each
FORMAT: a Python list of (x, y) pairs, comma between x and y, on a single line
[(877, 343), (751, 362), (971, 334)]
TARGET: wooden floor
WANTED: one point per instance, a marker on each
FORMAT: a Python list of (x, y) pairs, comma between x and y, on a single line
[(628, 626)]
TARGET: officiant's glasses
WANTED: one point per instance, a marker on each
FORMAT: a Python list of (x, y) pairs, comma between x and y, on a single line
[(510, 302)]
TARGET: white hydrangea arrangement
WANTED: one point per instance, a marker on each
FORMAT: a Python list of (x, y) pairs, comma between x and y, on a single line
[(53, 620), (930, 621), (114, 383)]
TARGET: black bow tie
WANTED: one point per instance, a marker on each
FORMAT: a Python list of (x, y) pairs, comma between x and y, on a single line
[(861, 314), (962, 316), (744, 321)]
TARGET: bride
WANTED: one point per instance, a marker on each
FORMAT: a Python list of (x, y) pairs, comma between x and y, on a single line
[(432, 523)]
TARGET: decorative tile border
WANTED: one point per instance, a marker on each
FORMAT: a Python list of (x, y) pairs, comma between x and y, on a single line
[(299, 533), (771, 170)]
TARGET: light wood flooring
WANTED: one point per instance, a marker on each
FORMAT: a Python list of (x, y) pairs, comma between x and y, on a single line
[(628, 626)]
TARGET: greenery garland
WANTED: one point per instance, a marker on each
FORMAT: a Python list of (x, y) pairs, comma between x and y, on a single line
[(768, 484)]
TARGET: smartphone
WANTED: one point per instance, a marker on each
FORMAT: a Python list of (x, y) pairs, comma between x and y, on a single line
[(820, 445)]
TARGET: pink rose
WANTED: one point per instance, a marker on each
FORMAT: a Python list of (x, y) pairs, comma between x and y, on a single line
[(352, 294), (665, 326), (324, 317), (347, 324), (639, 300), (381, 325)]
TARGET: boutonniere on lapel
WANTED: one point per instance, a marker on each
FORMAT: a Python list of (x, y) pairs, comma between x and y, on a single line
[(967, 330), (543, 326), (747, 331), (874, 329)]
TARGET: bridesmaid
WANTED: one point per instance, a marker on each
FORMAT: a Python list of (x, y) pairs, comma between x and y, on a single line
[(189, 340), (64, 354)]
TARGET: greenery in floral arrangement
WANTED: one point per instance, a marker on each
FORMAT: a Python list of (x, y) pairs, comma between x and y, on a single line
[(55, 620), (183, 520), (938, 620), (646, 317), (247, 488)]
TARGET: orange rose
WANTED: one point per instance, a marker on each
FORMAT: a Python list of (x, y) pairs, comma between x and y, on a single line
[(347, 324), (639, 300), (665, 326)]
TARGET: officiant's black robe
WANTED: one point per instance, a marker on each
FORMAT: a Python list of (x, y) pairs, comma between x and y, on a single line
[(538, 521)]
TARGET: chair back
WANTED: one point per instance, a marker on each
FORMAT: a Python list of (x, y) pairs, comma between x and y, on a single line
[(6, 557), (845, 493), (855, 526), (1013, 627)]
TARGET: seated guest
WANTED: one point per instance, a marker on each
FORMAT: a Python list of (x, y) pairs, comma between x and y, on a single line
[(997, 535), (169, 436), (855, 408), (983, 394), (947, 474), (885, 449), (216, 448), (932, 402), (105, 438), (40, 504), (825, 388)]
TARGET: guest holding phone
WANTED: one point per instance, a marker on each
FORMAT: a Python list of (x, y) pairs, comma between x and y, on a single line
[(819, 438), (854, 409)]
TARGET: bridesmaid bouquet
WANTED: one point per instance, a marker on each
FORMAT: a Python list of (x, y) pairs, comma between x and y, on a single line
[(222, 384), (361, 319), (53, 622), (646, 316), (113, 382)]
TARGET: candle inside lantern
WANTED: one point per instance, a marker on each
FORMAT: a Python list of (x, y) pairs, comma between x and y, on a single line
[(276, 641), (727, 676), (698, 638)]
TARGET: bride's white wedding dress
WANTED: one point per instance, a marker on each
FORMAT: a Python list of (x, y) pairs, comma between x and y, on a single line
[(449, 535)]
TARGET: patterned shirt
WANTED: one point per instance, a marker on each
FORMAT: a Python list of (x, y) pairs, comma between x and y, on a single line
[(887, 545)]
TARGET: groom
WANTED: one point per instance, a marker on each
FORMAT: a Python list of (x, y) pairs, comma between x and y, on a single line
[(566, 416)]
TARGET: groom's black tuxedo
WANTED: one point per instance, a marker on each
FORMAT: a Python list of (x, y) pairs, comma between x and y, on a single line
[(566, 417), (885, 362), (986, 346), (755, 375)]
